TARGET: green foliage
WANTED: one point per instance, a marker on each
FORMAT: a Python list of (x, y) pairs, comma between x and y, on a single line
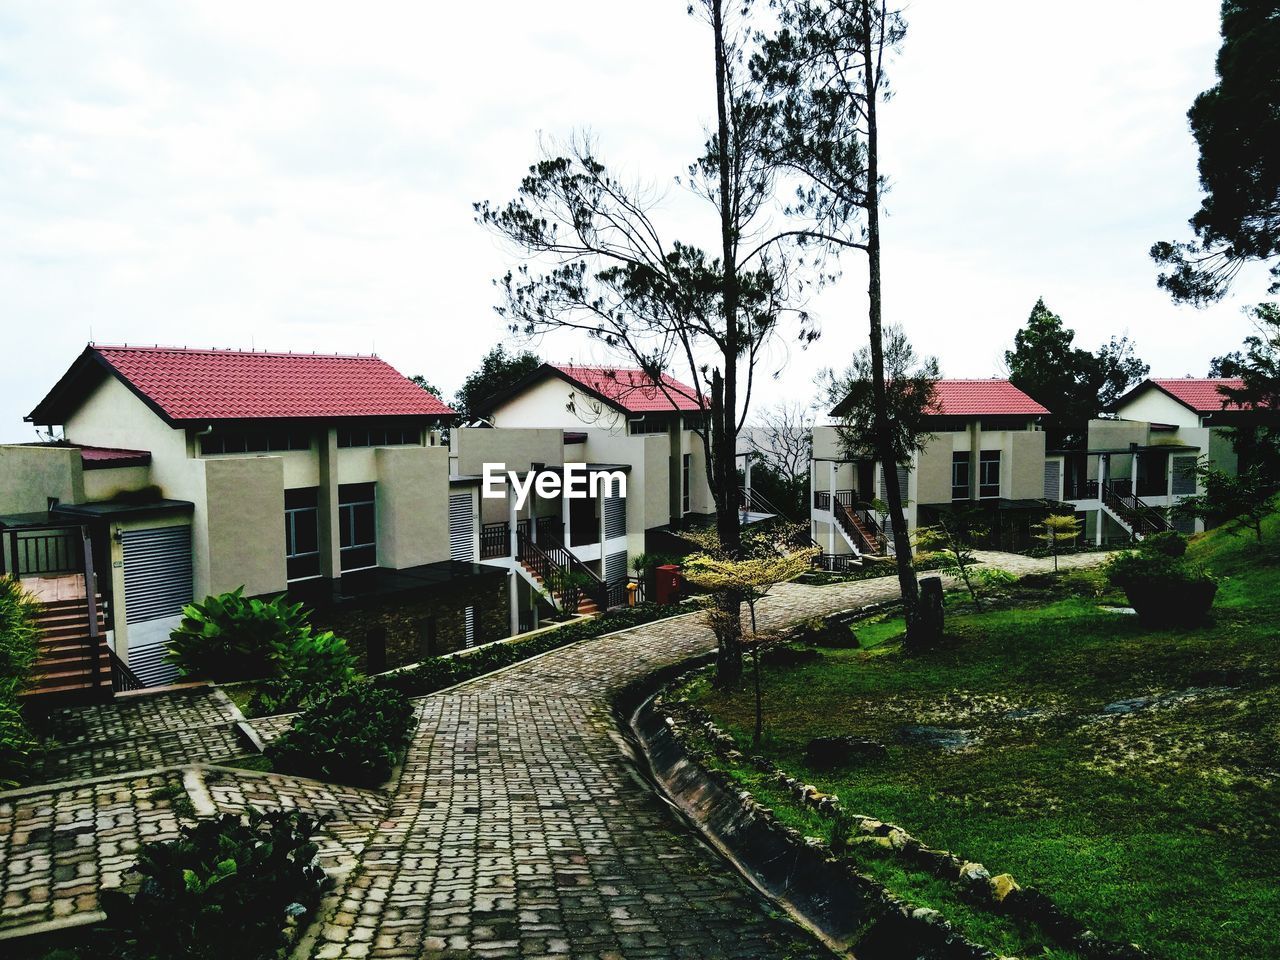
[(18, 636), (1169, 542), (225, 887), (431, 388), (1057, 530), (229, 637), (909, 388), (1239, 501), (1103, 815), (1073, 383), (436, 673), (1258, 366), (498, 371), (1166, 591), (353, 736), (1236, 123)]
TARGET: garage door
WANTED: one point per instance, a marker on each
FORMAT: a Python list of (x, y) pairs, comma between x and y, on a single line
[(157, 584)]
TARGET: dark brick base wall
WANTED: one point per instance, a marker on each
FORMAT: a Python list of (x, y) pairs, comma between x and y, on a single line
[(406, 628)]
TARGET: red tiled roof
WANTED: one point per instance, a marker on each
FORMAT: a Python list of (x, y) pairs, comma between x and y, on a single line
[(101, 458), (1201, 394), (633, 390), (194, 385), (975, 398)]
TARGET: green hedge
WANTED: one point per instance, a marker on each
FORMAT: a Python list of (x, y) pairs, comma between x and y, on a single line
[(18, 638), (436, 673), (353, 736)]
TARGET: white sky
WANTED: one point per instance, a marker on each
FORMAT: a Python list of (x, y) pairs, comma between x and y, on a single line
[(300, 175)]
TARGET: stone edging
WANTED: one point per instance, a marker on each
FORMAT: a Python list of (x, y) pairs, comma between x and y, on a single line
[(1001, 893)]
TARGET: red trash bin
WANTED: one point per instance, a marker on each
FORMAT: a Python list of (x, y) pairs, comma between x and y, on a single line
[(668, 583)]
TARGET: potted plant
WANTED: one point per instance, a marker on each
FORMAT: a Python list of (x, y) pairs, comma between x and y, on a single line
[(1165, 591)]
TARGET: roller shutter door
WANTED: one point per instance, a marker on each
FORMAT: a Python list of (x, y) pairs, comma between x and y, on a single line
[(615, 517), (461, 527), (1052, 470), (157, 572), (157, 585)]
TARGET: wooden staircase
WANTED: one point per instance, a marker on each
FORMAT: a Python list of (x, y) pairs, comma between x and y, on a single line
[(585, 604), (64, 667)]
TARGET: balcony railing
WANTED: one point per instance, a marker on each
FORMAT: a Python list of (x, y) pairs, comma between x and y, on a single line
[(1080, 490)]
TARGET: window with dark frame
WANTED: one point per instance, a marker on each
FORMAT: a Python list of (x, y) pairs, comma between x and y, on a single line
[(302, 533), (686, 475), (960, 474), (644, 425), (378, 435), (357, 527), (989, 474), (255, 440)]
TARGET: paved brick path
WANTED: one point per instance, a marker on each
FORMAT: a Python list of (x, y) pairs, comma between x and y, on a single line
[(139, 732), (517, 829)]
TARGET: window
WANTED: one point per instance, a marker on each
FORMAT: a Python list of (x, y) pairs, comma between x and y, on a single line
[(942, 424), (695, 421), (259, 440), (357, 528), (375, 435), (989, 474), (1006, 423), (301, 533), (960, 475), (647, 425), (686, 475)]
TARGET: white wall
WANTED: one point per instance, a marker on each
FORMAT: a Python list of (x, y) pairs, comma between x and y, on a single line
[(1155, 406), (545, 404)]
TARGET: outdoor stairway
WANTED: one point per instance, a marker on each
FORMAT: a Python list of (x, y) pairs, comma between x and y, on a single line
[(860, 536), (64, 667), (1137, 517), (585, 604)]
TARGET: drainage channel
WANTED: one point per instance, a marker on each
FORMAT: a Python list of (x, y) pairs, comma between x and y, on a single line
[(801, 886)]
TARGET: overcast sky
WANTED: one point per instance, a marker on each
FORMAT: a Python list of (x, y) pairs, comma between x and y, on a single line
[(299, 176)]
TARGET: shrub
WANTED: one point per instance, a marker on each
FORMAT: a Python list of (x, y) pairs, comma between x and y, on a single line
[(1165, 591), (225, 887), (436, 673), (19, 631), (229, 637), (353, 736), (1170, 543)]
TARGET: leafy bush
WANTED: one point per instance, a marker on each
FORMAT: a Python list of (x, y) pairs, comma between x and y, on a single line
[(1170, 543), (19, 631), (229, 637), (244, 879), (1165, 591), (352, 736)]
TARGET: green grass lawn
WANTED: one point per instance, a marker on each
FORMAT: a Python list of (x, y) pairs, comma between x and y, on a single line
[(1159, 825)]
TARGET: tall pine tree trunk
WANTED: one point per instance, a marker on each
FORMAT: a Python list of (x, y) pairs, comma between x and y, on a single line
[(724, 412), (884, 445)]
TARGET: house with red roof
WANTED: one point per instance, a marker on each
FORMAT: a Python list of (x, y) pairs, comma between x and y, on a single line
[(986, 451), (621, 414), (1141, 459), (193, 472)]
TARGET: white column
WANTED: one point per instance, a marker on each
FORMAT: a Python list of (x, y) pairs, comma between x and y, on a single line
[(513, 587), (831, 527), (1103, 462)]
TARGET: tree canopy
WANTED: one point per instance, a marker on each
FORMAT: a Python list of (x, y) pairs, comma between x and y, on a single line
[(498, 371), (908, 393), (1236, 124), (1074, 384)]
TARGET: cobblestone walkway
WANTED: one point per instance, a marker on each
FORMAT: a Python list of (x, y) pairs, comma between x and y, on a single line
[(139, 732), (517, 829)]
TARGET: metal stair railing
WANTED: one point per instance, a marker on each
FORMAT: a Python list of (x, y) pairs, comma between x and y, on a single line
[(564, 574), (1139, 516)]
